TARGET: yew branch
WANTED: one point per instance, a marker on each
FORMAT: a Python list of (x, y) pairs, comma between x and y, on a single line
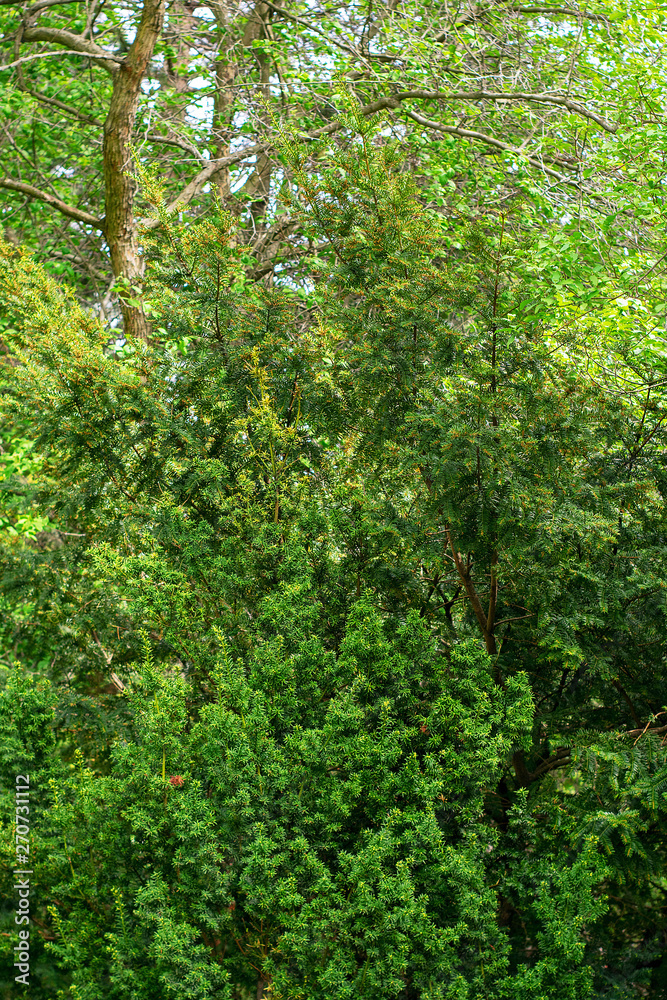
[(483, 620)]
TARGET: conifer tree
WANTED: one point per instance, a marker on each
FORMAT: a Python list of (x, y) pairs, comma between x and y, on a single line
[(339, 668)]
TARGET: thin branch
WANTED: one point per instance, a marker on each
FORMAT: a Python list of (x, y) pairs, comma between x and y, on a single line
[(273, 234), (327, 35), (519, 95), (55, 103), (566, 11), (489, 140), (65, 52), (174, 140), (647, 728), (519, 618), (35, 6), (95, 273), (559, 758), (641, 732), (58, 36), (69, 210), (165, 140), (201, 178)]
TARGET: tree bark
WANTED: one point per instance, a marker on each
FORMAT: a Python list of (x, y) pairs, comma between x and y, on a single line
[(486, 621), (258, 184), (226, 71), (119, 226)]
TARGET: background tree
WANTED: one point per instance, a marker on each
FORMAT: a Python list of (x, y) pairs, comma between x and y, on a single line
[(492, 103)]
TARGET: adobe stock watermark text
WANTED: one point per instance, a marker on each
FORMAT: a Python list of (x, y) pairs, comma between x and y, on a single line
[(22, 873)]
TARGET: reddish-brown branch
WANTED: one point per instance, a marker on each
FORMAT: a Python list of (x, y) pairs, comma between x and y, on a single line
[(473, 596)]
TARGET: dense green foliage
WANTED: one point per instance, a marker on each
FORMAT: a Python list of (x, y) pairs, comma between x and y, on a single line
[(333, 604), (379, 571)]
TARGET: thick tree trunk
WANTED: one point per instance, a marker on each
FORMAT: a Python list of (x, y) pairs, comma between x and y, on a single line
[(119, 225)]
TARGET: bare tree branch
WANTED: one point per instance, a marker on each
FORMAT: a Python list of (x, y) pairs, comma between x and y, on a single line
[(204, 175), (483, 95), (58, 36), (35, 6), (81, 261), (489, 140), (175, 140), (565, 11), (69, 210), (60, 53), (559, 758), (311, 27), (62, 106)]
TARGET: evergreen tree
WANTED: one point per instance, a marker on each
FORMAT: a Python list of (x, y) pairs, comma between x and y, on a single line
[(339, 669)]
